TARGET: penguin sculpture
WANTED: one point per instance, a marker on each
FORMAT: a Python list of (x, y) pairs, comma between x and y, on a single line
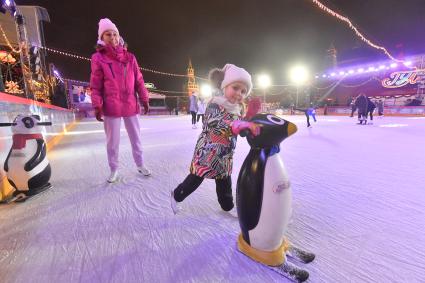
[(263, 198), (26, 166)]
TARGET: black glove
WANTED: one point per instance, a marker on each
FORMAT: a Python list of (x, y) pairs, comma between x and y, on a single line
[(98, 113), (146, 106)]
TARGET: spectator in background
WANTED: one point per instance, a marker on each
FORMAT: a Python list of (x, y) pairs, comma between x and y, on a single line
[(380, 105), (370, 108), (201, 110), (361, 104), (353, 106), (82, 96), (193, 107)]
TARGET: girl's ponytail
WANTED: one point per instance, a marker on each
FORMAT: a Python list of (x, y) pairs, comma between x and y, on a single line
[(216, 77)]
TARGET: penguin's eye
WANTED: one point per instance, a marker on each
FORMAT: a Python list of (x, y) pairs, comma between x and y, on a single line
[(275, 120), (28, 122)]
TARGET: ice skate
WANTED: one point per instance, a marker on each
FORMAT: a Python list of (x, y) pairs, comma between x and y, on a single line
[(145, 171), (174, 204), (233, 212), (113, 177)]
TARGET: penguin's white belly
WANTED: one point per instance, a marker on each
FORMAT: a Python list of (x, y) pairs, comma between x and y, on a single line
[(276, 207), (16, 163)]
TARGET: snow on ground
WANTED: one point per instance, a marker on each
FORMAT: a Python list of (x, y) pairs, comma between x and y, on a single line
[(358, 198)]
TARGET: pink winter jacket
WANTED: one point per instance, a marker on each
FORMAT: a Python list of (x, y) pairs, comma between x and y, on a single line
[(115, 79)]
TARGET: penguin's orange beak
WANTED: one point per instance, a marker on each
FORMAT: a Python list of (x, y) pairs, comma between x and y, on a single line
[(292, 128)]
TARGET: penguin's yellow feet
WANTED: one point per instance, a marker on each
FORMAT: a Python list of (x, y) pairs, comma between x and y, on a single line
[(273, 258)]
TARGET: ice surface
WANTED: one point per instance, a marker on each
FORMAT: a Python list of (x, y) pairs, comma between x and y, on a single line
[(358, 199)]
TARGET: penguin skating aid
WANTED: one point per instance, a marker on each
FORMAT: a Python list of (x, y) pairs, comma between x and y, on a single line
[(263, 197), (26, 166)]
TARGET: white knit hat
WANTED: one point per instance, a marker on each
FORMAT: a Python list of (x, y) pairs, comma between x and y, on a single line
[(104, 25), (233, 74)]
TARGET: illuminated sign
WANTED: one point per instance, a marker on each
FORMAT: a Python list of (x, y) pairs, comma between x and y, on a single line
[(400, 79)]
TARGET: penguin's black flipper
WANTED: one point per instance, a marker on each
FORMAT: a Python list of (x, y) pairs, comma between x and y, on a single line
[(249, 190), (6, 163), (40, 180), (38, 156)]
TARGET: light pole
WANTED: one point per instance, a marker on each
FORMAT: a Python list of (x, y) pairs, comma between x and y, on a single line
[(298, 75), (296, 100), (206, 92), (264, 82)]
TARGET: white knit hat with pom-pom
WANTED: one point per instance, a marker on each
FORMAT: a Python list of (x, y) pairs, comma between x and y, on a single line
[(233, 74), (104, 25)]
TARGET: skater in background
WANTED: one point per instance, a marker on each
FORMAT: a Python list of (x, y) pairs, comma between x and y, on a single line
[(193, 107), (325, 109), (380, 106), (115, 79), (353, 106), (201, 110), (361, 104), (370, 108), (310, 111), (213, 155)]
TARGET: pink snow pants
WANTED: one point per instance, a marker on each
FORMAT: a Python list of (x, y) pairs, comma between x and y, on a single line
[(112, 129)]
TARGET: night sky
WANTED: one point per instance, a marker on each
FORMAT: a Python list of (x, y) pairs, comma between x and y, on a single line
[(261, 36)]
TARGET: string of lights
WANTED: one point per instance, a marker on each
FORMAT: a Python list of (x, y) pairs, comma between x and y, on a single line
[(75, 81), (354, 28), (88, 59), (8, 42), (347, 85), (64, 53), (169, 91), (326, 87), (357, 85)]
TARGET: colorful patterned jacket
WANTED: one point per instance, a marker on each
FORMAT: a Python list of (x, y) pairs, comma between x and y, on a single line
[(213, 156)]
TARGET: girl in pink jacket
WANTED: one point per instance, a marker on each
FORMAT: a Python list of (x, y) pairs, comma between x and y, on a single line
[(117, 88)]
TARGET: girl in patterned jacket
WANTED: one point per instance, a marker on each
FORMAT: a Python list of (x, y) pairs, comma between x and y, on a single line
[(213, 155)]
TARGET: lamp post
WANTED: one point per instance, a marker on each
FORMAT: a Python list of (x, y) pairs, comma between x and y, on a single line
[(298, 75), (264, 82)]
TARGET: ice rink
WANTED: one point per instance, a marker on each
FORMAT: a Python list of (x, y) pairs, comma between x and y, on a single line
[(358, 203)]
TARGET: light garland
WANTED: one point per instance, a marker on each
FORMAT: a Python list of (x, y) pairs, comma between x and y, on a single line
[(64, 53), (358, 85), (8, 42), (89, 60), (346, 85), (326, 87), (76, 81), (169, 91), (141, 68), (357, 32)]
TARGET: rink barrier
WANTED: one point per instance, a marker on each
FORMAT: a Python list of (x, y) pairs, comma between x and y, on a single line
[(407, 111), (401, 111), (10, 106)]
